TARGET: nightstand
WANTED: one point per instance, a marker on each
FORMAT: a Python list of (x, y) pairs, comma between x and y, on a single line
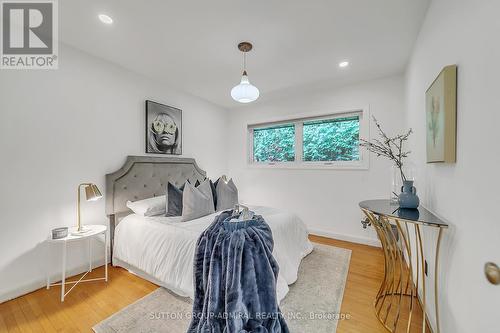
[(93, 232)]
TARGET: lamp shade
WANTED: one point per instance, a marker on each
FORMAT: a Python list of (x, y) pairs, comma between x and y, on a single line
[(245, 92), (92, 192)]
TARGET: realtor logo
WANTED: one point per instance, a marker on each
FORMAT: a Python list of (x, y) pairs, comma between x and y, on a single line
[(29, 34)]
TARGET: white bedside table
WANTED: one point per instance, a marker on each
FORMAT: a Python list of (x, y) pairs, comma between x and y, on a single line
[(94, 231)]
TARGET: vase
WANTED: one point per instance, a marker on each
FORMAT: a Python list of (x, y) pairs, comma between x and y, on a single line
[(409, 214), (408, 197), (397, 181), (396, 184)]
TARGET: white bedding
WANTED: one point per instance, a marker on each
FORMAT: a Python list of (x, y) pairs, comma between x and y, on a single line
[(163, 247)]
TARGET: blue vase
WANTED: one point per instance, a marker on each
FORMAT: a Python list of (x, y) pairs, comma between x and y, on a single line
[(408, 197), (409, 214)]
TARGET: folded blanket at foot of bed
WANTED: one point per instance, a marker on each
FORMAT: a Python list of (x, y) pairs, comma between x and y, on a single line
[(235, 279)]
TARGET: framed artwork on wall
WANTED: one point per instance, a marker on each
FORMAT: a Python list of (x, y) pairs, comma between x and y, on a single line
[(441, 117), (163, 129)]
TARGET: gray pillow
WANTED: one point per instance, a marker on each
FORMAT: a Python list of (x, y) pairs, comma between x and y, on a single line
[(197, 201), (227, 195), (174, 200)]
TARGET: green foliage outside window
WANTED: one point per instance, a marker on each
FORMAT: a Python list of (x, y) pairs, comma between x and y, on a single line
[(274, 144), (323, 140), (331, 140)]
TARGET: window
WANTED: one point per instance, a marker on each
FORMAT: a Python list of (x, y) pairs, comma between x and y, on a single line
[(322, 141), (331, 140), (274, 144)]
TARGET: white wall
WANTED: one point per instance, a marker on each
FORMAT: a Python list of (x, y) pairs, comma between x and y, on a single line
[(59, 128), (466, 194), (327, 200)]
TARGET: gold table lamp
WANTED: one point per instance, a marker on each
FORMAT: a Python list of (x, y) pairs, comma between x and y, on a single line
[(92, 193)]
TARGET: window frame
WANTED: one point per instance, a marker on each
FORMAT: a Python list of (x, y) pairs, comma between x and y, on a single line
[(298, 121)]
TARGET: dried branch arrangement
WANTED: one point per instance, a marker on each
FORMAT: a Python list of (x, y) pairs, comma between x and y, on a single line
[(391, 148)]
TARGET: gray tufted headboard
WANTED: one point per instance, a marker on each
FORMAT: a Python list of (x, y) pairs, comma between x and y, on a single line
[(144, 177)]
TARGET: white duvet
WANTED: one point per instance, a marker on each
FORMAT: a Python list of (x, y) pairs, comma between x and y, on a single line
[(163, 247)]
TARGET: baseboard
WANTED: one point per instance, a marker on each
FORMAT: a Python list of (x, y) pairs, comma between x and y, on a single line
[(42, 282), (347, 238)]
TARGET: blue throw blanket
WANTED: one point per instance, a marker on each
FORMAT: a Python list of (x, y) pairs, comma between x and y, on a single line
[(235, 279)]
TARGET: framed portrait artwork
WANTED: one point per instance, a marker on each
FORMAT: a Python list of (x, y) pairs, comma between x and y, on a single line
[(441, 117), (163, 129)]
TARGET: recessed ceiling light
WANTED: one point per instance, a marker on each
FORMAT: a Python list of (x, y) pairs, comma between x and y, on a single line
[(343, 64), (105, 19)]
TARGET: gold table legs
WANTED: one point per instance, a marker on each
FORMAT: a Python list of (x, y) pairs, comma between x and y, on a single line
[(404, 272)]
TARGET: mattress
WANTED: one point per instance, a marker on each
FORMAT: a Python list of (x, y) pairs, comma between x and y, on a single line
[(161, 248)]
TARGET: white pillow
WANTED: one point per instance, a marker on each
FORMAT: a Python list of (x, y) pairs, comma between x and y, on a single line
[(197, 201), (149, 207)]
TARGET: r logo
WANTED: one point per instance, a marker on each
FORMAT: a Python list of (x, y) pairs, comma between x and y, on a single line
[(27, 28)]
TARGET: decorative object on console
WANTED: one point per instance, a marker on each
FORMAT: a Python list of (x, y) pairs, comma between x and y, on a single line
[(397, 181), (245, 92), (92, 193), (408, 197), (163, 129), (392, 148), (441, 112), (408, 213)]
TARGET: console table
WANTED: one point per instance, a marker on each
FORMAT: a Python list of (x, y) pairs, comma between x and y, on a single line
[(400, 233)]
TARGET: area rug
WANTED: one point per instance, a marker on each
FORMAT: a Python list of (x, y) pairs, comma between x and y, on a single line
[(312, 304)]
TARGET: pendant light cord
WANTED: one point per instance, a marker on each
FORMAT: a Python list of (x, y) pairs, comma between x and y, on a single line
[(244, 61)]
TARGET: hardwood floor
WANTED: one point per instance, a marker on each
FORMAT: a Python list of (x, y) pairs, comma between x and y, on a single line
[(86, 305), (366, 271)]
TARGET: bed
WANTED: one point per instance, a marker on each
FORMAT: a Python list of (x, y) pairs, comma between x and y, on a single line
[(161, 249)]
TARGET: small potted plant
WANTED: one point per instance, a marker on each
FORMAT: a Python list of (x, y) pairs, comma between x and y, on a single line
[(393, 149)]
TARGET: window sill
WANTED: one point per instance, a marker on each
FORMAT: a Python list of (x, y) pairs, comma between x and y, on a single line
[(307, 166)]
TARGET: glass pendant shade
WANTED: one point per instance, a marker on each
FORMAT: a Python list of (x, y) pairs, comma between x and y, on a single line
[(245, 92)]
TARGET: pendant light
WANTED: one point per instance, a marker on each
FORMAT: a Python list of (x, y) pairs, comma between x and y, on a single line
[(245, 92)]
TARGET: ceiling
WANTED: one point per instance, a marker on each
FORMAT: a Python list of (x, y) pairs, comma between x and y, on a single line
[(191, 45)]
